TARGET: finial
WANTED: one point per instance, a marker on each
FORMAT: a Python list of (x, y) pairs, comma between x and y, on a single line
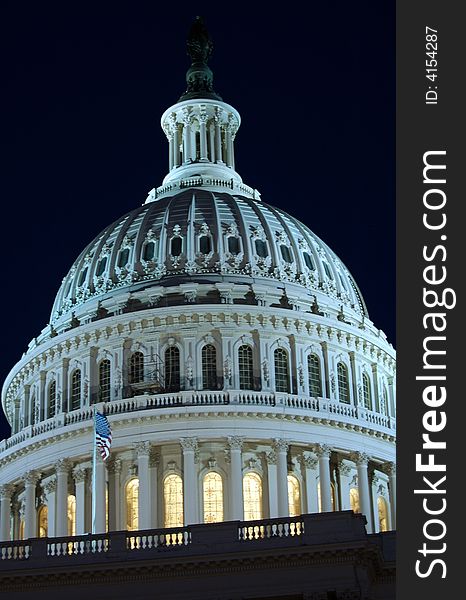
[(199, 77)]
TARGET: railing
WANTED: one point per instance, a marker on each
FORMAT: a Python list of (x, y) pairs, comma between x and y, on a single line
[(19, 550), (317, 407), (260, 530)]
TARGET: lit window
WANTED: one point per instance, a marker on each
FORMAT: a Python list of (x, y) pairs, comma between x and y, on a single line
[(213, 498), (261, 248), (245, 364), (132, 506), (309, 261), (233, 245), (252, 496), (123, 257), (149, 251), (82, 277), (294, 496), (176, 245), (76, 389), (366, 392), (282, 379), (71, 514), (104, 380), (209, 367), (327, 270), (383, 514), (315, 382), (21, 529), (173, 501), (354, 500), (332, 496), (52, 399), (172, 369), (205, 244), (343, 383), (136, 367), (101, 266), (286, 254), (42, 521)]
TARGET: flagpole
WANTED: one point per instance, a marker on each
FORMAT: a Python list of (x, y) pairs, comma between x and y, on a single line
[(94, 465)]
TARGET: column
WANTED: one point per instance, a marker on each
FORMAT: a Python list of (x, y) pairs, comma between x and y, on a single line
[(114, 494), (203, 137), (309, 464), (62, 400), (189, 446), (144, 496), (6, 492), (170, 149), (344, 470), (80, 479), (390, 469), (235, 444), (212, 141), (43, 400), (281, 448), (50, 490), (30, 525), (271, 458), (228, 145), (99, 499), (176, 146), (362, 460), (323, 452), (218, 139), (154, 460), (27, 410), (62, 467)]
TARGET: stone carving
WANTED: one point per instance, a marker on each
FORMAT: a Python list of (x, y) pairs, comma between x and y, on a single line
[(31, 478), (142, 448), (271, 457), (235, 442), (227, 369), (62, 465), (301, 375), (280, 445), (344, 468), (189, 444), (6, 491), (189, 370), (79, 474), (212, 463), (265, 370), (154, 458), (51, 486), (309, 461), (322, 450), (360, 458)]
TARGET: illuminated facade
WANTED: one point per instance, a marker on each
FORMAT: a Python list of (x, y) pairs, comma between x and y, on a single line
[(230, 348)]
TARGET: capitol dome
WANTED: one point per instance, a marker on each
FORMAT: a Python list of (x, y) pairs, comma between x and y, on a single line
[(228, 346)]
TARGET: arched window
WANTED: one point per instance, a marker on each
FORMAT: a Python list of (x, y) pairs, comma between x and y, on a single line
[(252, 496), (327, 270), (205, 244), (21, 529), (343, 283), (213, 498), (309, 261), (82, 277), (52, 399), (354, 500), (173, 501), (315, 381), (343, 383), (132, 498), (104, 380), (332, 496), (172, 369), (383, 514), (384, 402), (123, 258), (42, 521), (76, 389), (282, 376), (294, 496), (209, 367), (233, 245), (245, 365), (261, 248), (286, 254), (366, 392), (136, 367), (101, 266), (148, 252), (176, 245), (71, 514)]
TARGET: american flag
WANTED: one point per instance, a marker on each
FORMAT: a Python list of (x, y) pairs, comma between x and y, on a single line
[(103, 435)]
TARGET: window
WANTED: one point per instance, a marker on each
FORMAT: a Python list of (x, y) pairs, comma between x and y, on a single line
[(136, 367), (123, 258), (149, 251), (245, 364), (233, 245), (343, 283), (172, 369), (82, 277), (343, 383), (104, 380), (282, 380), (52, 399), (332, 496), (209, 367), (213, 498), (366, 392), (286, 254), (132, 504), (71, 514), (315, 381), (42, 522), (76, 389), (354, 500), (261, 248), (294, 497), (173, 501), (309, 261), (176, 245), (205, 244), (252, 496), (101, 266), (327, 270), (383, 514)]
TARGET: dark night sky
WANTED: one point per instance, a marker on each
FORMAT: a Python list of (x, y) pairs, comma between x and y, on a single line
[(85, 84)]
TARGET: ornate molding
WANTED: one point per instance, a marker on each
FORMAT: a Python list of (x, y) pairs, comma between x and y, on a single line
[(271, 457), (309, 461), (6, 491), (142, 448), (31, 477), (62, 465), (51, 486), (360, 458), (323, 450), (280, 445), (390, 469), (115, 465), (189, 444), (79, 474), (235, 442), (344, 468)]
